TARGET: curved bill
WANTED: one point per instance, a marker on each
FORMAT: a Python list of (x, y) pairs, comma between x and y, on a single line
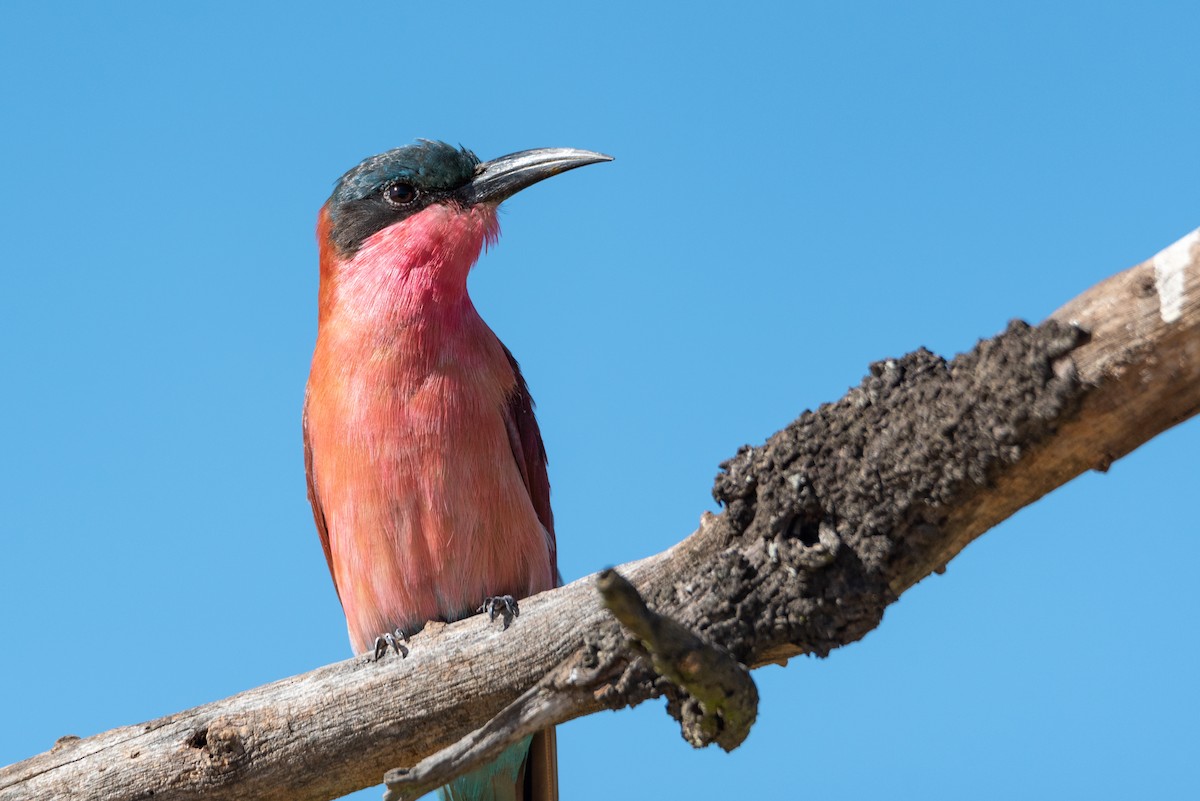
[(499, 179)]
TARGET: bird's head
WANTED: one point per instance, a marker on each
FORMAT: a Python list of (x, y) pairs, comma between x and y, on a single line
[(393, 187)]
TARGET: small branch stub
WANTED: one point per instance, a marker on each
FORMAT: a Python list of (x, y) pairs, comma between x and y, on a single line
[(718, 699), (534, 710)]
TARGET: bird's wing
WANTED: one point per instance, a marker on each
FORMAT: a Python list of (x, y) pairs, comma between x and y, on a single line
[(315, 500), (526, 441), (540, 773)]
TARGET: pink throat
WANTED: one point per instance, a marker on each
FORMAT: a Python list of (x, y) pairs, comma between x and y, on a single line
[(417, 265)]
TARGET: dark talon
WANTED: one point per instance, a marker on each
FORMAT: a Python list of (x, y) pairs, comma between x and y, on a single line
[(391, 640), (504, 606)]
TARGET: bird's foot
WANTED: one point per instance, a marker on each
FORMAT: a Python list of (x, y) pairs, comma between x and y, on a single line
[(391, 639), (502, 606)]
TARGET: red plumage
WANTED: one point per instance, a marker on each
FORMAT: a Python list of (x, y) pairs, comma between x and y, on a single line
[(426, 469)]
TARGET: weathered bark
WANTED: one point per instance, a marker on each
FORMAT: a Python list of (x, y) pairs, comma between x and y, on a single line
[(824, 526)]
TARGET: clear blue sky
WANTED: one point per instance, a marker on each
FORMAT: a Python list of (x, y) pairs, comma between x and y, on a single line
[(799, 189)]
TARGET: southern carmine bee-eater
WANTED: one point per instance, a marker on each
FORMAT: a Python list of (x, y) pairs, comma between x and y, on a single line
[(426, 469)]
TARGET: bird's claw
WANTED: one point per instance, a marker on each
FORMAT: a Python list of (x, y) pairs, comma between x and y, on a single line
[(503, 606), (391, 639)]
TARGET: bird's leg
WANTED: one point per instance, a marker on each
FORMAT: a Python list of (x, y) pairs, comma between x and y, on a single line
[(391, 639), (503, 606)]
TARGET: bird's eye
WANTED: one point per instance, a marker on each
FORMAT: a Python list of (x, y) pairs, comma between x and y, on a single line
[(400, 194)]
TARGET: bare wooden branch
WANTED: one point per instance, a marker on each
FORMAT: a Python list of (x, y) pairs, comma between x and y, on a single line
[(718, 700), (824, 525)]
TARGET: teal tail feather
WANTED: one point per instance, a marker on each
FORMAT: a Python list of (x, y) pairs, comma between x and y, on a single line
[(502, 780)]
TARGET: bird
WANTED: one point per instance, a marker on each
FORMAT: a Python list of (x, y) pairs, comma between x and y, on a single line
[(425, 464)]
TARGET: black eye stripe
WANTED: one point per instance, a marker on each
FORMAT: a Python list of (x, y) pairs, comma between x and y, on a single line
[(387, 205)]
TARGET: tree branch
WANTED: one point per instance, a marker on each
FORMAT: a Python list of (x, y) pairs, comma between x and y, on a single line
[(824, 525)]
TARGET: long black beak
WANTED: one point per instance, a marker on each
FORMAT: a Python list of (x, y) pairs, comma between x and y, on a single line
[(499, 179)]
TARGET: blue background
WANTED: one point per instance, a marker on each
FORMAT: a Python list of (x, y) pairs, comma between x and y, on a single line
[(799, 189)]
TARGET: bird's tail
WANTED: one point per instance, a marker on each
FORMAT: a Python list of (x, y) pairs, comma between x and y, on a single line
[(519, 774)]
